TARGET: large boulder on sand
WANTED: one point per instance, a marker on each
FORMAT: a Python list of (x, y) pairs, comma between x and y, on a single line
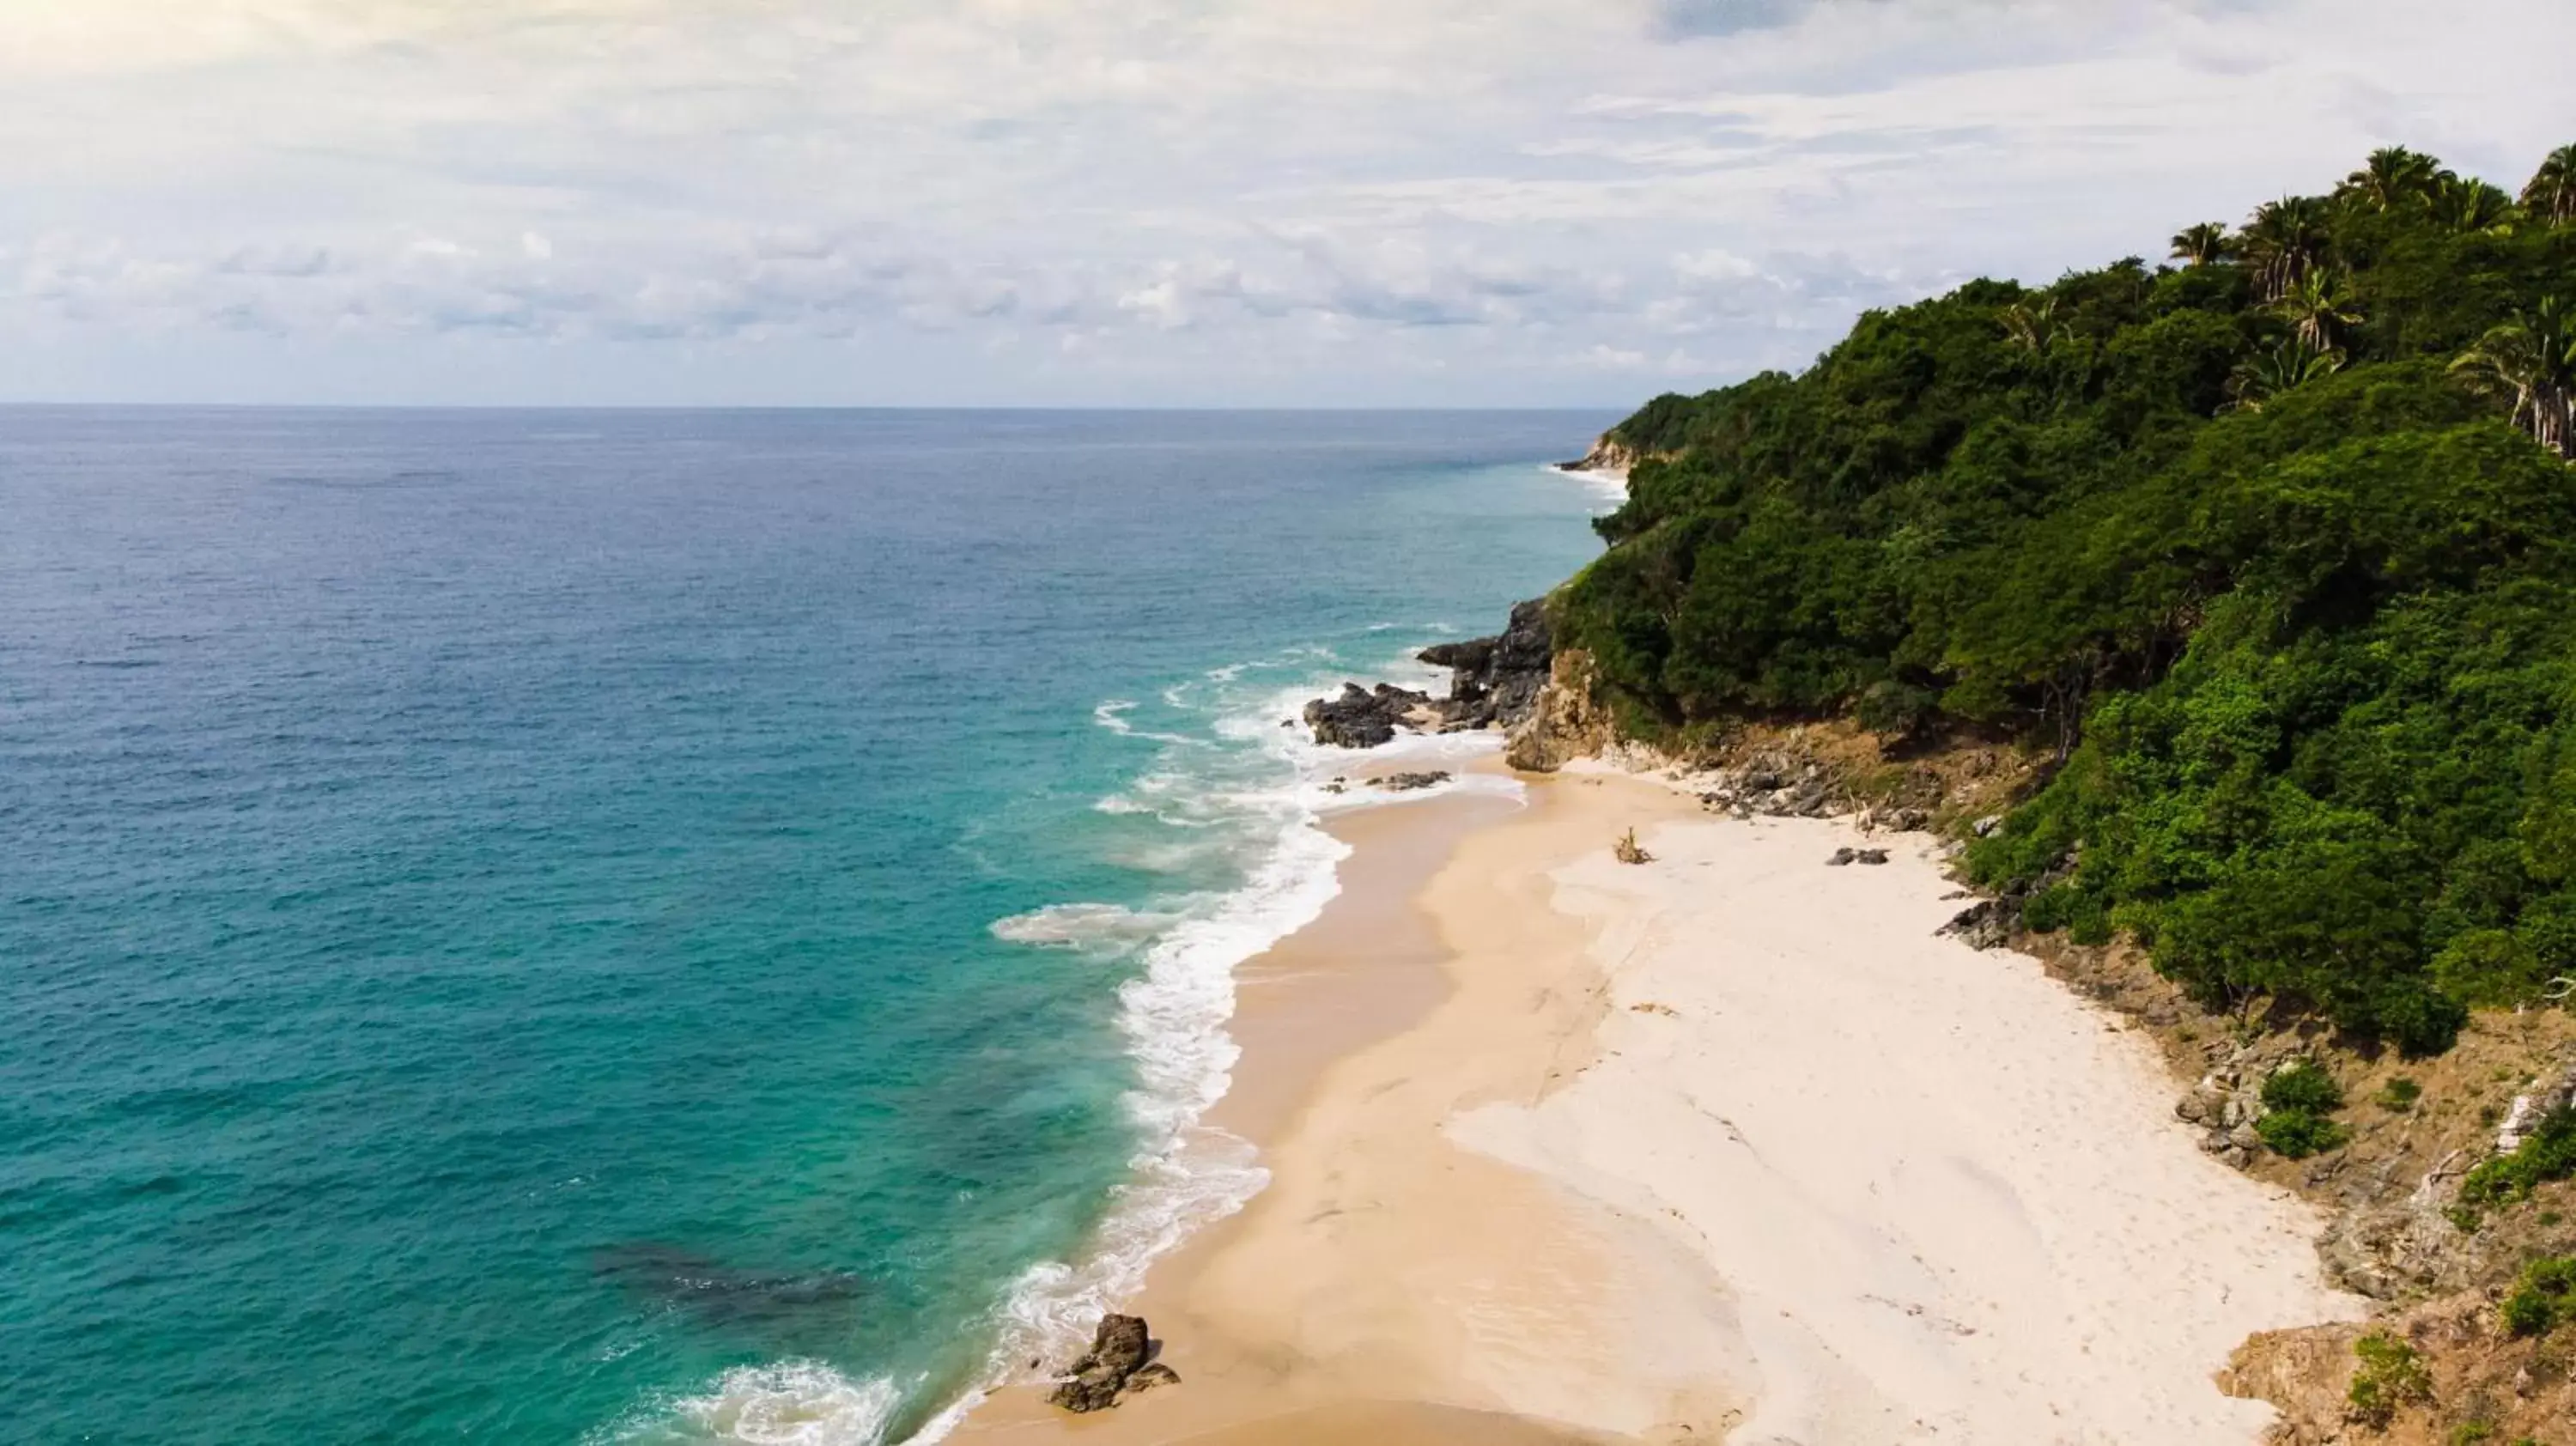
[(1119, 1349)]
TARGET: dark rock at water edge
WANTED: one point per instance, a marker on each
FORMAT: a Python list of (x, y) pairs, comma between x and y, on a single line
[(1496, 680), (1119, 1354), (1363, 718), (1609, 454), (1413, 782), (1492, 681)]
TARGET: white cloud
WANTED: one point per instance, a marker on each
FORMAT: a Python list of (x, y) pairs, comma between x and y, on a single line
[(1257, 200)]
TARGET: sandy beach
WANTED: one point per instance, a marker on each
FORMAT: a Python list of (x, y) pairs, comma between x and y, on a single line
[(1727, 1146)]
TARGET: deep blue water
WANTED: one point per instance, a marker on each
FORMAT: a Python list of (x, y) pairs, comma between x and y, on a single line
[(498, 912)]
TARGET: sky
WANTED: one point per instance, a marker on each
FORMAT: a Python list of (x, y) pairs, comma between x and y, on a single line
[(1142, 202)]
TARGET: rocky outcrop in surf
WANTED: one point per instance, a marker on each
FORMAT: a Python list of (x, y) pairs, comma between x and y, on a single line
[(1497, 680), (1363, 717), (1493, 681)]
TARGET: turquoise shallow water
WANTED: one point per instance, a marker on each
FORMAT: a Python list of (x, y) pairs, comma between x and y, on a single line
[(655, 926)]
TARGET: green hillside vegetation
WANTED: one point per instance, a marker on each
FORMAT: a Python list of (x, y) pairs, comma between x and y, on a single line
[(2271, 550)]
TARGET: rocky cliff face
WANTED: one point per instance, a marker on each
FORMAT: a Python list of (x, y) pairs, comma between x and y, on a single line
[(1607, 455), (1497, 680), (1563, 722)]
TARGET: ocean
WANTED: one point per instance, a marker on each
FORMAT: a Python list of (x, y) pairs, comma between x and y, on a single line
[(656, 926)]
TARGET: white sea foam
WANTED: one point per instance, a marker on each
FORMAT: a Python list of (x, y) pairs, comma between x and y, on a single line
[(1611, 486), (1082, 926), (792, 1403), (1263, 794), (1112, 715), (1186, 1174)]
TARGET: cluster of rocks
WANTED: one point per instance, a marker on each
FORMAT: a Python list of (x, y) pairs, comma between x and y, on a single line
[(1985, 924), (1496, 681), (2550, 1093), (1775, 787), (1843, 857), (1120, 1361), (1395, 782), (1993, 923), (2406, 1246), (1492, 682), (2229, 1098), (1365, 718)]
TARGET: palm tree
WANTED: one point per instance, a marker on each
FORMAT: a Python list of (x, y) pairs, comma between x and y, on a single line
[(2285, 238), (2531, 360), (2471, 206), (2394, 177), (2266, 375), (2206, 244), (2033, 328), (2551, 196), (2319, 310)]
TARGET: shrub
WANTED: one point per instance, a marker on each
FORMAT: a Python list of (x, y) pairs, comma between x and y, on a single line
[(2398, 1095), (2302, 1085), (2297, 1098), (1896, 710), (2391, 1375), (2548, 1153), (2297, 1134), (2543, 1296)]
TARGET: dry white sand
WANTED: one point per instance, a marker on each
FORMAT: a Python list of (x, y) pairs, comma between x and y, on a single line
[(1947, 1198), (1728, 1146)]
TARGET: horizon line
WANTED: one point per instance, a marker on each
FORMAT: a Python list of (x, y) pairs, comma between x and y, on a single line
[(957, 407)]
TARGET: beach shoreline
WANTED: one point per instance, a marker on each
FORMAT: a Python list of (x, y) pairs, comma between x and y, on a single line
[(1567, 1151)]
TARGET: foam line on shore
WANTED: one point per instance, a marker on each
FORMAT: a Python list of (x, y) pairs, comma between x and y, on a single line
[(1175, 1012)]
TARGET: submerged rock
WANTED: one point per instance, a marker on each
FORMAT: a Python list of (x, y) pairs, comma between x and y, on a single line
[(1120, 1349), (728, 1295)]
